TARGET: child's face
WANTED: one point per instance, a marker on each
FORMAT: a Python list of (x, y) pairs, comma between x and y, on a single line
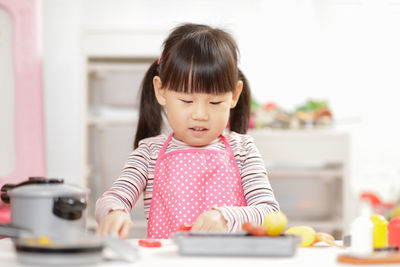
[(196, 119)]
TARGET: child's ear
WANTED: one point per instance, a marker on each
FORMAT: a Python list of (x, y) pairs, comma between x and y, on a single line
[(159, 91), (236, 93)]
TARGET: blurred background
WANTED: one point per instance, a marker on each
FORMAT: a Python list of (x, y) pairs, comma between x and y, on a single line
[(298, 55)]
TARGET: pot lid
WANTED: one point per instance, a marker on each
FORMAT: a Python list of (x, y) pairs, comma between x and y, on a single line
[(47, 190)]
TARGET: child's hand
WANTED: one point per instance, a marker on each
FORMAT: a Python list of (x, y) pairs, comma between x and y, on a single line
[(117, 222), (210, 221)]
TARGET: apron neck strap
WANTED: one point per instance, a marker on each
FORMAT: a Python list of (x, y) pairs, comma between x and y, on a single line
[(228, 147), (166, 144)]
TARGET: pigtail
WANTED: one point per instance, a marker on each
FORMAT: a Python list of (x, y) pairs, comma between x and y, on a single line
[(240, 114), (150, 118)]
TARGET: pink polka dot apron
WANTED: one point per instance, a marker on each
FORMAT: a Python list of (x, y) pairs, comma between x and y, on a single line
[(188, 182)]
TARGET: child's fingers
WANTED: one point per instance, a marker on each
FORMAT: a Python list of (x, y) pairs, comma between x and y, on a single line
[(115, 223), (116, 227), (124, 231), (109, 225), (103, 228), (198, 225), (207, 227), (212, 226), (210, 221)]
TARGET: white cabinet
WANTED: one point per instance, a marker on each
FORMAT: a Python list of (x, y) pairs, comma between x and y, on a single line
[(112, 115), (309, 173), (114, 62)]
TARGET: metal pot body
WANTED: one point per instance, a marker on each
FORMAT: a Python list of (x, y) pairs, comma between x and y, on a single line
[(54, 210)]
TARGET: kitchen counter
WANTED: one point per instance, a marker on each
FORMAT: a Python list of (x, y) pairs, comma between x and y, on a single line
[(168, 255)]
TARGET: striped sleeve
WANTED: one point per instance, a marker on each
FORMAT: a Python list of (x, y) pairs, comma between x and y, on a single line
[(126, 190), (256, 187)]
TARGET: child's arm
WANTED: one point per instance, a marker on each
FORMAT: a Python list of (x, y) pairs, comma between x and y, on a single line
[(256, 187), (124, 192)]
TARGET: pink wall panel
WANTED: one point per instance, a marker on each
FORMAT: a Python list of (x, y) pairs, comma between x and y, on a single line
[(29, 126)]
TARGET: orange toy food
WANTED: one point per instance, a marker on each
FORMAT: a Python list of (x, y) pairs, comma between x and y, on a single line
[(327, 238), (253, 229)]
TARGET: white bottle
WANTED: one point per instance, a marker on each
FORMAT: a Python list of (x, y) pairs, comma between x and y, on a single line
[(362, 232)]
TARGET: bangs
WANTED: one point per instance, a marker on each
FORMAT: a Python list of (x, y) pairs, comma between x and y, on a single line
[(195, 67)]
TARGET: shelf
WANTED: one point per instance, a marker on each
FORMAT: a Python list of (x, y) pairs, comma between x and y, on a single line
[(302, 146), (107, 117), (309, 170), (104, 121), (324, 131), (327, 225), (306, 173)]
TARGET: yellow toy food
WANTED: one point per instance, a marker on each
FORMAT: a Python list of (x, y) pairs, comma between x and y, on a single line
[(308, 234), (275, 223), (37, 241), (380, 238), (44, 241)]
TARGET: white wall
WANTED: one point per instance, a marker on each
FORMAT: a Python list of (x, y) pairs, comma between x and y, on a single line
[(61, 69), (344, 51)]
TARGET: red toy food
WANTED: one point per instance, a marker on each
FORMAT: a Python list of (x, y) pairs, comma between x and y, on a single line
[(255, 230), (185, 227), (149, 243)]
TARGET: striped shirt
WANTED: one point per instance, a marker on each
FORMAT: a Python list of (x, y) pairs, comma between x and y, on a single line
[(137, 176)]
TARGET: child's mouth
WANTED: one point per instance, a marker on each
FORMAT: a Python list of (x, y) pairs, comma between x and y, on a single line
[(198, 131)]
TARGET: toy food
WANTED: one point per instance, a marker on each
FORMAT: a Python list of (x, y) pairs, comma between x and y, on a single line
[(275, 223), (185, 227), (253, 229), (395, 212), (394, 232), (308, 234), (149, 243), (380, 231), (327, 238)]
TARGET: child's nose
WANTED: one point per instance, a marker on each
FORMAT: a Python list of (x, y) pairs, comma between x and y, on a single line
[(200, 112)]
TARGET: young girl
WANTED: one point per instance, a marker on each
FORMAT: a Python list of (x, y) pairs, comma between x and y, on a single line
[(201, 173)]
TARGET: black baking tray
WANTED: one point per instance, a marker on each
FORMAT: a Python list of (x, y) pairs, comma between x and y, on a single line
[(235, 244)]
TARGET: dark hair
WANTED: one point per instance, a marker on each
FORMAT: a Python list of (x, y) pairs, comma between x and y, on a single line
[(195, 59)]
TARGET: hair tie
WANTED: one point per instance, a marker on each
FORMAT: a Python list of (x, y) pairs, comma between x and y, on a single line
[(159, 60)]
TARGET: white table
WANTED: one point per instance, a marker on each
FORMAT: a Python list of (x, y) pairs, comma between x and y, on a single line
[(168, 255)]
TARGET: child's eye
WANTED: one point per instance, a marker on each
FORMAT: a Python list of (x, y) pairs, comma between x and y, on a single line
[(216, 103), (186, 101)]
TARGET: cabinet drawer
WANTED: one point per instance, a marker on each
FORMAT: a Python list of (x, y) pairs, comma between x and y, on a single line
[(117, 85), (110, 147), (306, 198)]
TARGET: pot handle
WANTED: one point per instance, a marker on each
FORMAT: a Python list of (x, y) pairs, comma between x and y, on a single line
[(4, 192), (69, 208)]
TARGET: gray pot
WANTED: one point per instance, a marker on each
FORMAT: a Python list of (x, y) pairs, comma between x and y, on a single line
[(52, 209), (48, 207)]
